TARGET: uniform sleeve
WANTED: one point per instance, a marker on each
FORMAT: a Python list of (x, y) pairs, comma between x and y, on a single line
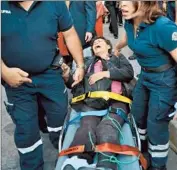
[(64, 17), (122, 70), (90, 8), (167, 36)]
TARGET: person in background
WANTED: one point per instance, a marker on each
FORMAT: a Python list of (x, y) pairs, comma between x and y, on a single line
[(101, 11), (172, 10), (119, 14), (113, 27), (31, 38), (84, 19), (155, 93)]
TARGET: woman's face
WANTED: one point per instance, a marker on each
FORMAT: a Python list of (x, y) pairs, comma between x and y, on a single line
[(128, 9), (100, 47)]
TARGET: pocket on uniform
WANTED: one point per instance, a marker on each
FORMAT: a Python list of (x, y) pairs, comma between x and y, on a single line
[(165, 109), (10, 109), (169, 78)]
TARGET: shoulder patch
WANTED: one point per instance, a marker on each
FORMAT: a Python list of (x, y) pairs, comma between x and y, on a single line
[(174, 36)]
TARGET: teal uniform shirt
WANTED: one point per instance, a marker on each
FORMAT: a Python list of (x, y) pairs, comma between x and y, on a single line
[(153, 42), (29, 38)]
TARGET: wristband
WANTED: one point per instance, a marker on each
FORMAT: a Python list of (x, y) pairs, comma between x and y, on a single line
[(80, 66)]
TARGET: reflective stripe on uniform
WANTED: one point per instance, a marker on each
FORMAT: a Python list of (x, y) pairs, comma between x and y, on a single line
[(31, 148), (57, 129), (142, 131), (158, 147), (158, 151), (65, 90), (158, 154), (143, 137)]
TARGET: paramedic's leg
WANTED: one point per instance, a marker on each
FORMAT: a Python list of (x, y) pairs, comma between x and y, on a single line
[(161, 104), (22, 107), (54, 99), (139, 110)]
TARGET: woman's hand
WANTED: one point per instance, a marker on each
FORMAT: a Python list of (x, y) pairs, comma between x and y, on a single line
[(98, 76)]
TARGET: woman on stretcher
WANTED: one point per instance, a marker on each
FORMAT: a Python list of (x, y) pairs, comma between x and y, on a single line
[(103, 72)]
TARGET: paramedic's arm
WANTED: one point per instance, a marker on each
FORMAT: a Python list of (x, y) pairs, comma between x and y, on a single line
[(121, 44), (75, 48), (14, 76), (174, 54)]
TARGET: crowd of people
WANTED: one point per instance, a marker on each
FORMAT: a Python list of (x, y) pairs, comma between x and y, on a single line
[(36, 34)]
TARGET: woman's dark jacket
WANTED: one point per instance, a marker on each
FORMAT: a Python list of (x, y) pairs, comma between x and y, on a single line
[(119, 67)]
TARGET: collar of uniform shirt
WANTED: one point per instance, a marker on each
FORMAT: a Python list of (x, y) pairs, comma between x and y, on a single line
[(142, 24)]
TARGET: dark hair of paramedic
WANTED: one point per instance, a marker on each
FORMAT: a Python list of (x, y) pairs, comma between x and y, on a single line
[(153, 37)]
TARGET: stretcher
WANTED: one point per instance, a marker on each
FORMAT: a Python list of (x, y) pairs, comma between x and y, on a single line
[(124, 161)]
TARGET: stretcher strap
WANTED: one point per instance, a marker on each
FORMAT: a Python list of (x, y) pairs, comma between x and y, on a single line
[(108, 147), (119, 112), (122, 149), (72, 150), (102, 94)]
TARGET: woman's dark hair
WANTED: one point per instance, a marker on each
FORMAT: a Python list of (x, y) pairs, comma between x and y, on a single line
[(108, 42), (151, 10)]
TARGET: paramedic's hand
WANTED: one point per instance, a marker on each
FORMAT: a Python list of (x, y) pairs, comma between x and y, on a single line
[(66, 70), (98, 76), (88, 36), (78, 76), (15, 77), (175, 117)]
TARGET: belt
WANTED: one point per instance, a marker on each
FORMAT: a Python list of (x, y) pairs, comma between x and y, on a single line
[(157, 69)]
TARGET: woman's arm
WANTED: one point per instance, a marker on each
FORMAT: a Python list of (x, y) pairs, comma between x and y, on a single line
[(122, 70)]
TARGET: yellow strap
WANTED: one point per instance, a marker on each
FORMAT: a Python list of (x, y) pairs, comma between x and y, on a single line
[(102, 94), (78, 98)]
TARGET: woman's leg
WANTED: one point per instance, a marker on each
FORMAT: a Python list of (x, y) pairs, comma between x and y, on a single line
[(88, 125), (107, 133)]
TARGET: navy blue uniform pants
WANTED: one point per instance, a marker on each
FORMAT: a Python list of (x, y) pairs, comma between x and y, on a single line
[(23, 108), (153, 100)]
